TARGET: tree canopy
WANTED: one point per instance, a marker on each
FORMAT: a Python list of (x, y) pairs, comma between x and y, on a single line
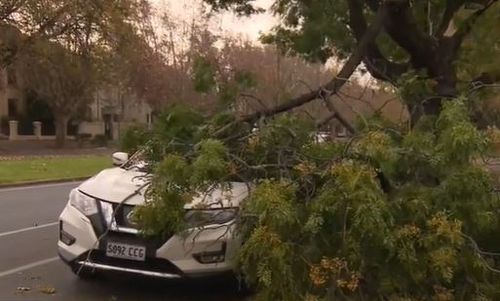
[(64, 80), (76, 24), (440, 43), (64, 48), (399, 211)]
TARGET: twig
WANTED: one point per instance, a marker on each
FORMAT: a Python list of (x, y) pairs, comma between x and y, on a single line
[(479, 253)]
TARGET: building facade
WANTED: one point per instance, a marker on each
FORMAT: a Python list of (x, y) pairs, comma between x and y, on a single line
[(12, 99), (111, 111)]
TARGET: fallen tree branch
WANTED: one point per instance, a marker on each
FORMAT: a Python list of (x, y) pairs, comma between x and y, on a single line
[(486, 79), (326, 120), (338, 81), (480, 253), (329, 105), (250, 96)]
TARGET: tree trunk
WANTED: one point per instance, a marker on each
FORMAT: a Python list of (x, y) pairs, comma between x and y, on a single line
[(61, 123), (445, 75)]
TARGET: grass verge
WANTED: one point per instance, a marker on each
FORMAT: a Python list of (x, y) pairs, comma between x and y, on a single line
[(48, 169)]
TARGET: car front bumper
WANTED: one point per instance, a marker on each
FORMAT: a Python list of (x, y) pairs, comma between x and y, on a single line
[(176, 257)]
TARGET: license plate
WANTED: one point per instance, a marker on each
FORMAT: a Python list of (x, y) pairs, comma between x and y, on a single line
[(125, 251)]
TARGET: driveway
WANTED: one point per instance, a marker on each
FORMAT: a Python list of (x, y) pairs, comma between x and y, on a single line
[(30, 269)]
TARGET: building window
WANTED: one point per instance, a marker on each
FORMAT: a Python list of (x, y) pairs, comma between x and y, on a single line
[(11, 77), (13, 109)]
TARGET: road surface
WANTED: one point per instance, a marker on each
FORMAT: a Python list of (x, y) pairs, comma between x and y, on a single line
[(28, 260)]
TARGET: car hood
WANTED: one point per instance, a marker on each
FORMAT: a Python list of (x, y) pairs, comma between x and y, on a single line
[(230, 196), (116, 184)]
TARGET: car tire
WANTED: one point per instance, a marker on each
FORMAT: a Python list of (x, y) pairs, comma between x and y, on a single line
[(84, 273)]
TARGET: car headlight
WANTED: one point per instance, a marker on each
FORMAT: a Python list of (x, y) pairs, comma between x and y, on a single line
[(205, 217), (85, 204)]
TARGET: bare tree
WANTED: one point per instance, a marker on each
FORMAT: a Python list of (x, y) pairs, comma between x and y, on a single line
[(161, 69)]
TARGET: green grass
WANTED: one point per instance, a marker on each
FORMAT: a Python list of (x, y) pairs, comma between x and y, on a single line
[(35, 170)]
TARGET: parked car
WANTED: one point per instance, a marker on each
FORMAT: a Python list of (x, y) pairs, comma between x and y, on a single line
[(98, 233)]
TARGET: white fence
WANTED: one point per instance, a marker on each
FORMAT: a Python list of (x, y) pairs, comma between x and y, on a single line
[(37, 132), (92, 128)]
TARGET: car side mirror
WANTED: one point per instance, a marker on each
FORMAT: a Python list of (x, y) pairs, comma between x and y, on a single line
[(119, 158)]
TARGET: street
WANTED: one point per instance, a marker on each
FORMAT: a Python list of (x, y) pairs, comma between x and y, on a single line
[(30, 268)]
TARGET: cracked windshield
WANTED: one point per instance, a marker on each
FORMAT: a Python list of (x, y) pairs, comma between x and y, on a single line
[(240, 150)]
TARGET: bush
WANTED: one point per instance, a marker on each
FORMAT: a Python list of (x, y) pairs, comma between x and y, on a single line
[(135, 136), (100, 140), (83, 138)]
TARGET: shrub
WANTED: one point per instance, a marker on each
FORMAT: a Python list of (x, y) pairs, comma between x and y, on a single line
[(135, 136), (100, 140)]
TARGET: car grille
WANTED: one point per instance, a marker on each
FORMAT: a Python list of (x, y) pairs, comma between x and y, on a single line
[(150, 264), (122, 228)]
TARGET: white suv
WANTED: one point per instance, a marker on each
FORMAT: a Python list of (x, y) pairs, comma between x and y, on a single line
[(97, 232)]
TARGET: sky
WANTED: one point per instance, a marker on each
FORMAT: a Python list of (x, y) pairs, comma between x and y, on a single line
[(247, 27)]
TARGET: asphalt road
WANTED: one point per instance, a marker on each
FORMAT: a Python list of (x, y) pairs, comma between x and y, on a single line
[(28, 236)]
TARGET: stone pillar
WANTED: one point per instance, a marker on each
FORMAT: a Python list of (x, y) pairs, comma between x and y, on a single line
[(13, 130), (37, 129)]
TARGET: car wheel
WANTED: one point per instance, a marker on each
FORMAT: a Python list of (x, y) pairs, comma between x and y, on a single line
[(84, 273)]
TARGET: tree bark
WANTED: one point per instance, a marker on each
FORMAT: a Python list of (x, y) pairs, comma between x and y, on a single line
[(436, 55), (61, 124), (376, 63)]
